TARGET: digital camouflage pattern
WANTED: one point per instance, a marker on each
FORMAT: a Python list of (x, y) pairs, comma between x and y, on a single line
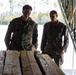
[(55, 38), (20, 35)]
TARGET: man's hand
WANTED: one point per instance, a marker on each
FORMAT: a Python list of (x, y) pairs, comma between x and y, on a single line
[(62, 52)]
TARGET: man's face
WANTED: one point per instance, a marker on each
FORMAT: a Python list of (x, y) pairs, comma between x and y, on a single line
[(26, 12), (53, 17)]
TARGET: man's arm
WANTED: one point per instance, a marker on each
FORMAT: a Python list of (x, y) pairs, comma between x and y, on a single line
[(44, 39), (34, 37), (8, 35), (66, 39)]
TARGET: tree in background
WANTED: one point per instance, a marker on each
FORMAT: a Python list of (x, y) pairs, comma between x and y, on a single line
[(15, 10)]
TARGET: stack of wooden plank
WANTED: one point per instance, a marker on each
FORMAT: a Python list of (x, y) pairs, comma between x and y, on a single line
[(27, 63)]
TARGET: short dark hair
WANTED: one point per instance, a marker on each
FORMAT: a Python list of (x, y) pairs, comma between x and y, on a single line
[(53, 12), (27, 7)]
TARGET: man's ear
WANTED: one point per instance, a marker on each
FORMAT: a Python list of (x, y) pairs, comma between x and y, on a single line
[(57, 15)]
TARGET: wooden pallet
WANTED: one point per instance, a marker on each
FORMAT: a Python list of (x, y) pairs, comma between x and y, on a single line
[(27, 63)]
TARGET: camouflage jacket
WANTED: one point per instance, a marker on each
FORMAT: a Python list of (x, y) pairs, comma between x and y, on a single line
[(21, 35), (55, 37)]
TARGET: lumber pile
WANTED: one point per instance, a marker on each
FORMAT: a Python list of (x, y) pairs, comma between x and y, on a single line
[(27, 63)]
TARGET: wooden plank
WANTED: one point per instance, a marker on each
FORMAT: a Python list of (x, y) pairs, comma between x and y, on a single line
[(16, 69), (8, 64), (26, 69), (46, 69), (12, 65), (0, 73), (34, 66), (7, 70), (2, 55), (53, 65), (8, 59)]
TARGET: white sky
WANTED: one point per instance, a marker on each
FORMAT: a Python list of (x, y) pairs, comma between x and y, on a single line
[(37, 4), (40, 6)]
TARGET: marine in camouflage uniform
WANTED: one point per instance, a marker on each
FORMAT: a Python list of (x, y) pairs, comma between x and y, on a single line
[(22, 34), (54, 39)]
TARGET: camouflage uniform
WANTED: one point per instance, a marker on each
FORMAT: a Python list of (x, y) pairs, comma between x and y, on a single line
[(52, 42), (21, 35)]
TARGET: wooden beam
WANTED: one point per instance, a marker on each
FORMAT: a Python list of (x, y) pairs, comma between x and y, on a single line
[(2, 55), (34, 66), (12, 64), (47, 65), (53, 65), (26, 68)]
